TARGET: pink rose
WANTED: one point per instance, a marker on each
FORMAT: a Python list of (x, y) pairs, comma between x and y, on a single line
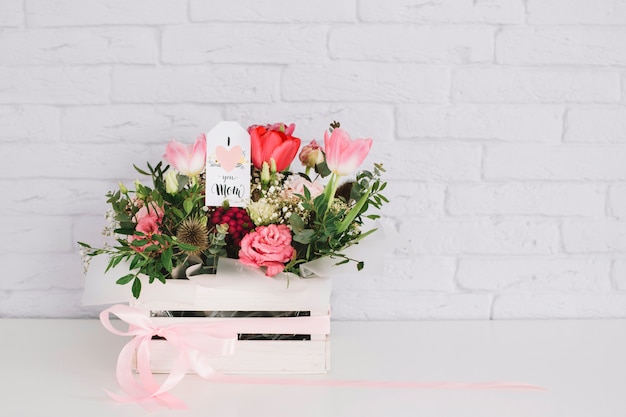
[(295, 185), (268, 246)]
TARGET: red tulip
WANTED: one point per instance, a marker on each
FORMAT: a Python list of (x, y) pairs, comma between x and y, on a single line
[(273, 142)]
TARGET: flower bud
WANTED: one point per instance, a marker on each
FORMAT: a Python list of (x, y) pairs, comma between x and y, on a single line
[(311, 155), (171, 181), (265, 174), (123, 188)]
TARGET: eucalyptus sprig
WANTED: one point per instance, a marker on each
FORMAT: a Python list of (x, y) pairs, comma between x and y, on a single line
[(155, 254), (336, 226)]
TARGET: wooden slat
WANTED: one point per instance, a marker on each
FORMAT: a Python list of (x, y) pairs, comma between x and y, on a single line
[(254, 356)]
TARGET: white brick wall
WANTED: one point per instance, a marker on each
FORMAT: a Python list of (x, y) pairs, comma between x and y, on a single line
[(587, 45), (502, 125)]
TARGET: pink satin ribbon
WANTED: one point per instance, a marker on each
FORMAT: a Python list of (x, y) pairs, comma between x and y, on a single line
[(196, 343)]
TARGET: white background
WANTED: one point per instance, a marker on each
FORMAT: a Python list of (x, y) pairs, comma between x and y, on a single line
[(501, 124)]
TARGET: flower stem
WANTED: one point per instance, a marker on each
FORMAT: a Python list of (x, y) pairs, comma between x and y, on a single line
[(329, 191)]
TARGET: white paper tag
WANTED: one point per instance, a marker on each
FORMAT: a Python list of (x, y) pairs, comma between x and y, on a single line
[(228, 165)]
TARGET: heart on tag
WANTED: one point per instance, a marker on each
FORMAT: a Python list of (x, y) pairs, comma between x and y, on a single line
[(228, 158)]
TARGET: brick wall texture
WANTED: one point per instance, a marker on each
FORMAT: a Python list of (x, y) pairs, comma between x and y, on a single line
[(502, 125)]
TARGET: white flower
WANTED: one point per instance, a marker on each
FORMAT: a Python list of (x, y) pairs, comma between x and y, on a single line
[(261, 212)]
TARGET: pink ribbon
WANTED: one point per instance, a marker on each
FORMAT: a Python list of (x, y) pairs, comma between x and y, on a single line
[(196, 343)]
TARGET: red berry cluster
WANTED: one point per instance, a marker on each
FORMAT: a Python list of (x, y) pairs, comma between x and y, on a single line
[(239, 223)]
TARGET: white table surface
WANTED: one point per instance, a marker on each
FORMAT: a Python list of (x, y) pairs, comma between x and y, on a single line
[(58, 368)]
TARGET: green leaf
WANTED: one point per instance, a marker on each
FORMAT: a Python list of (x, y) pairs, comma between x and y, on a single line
[(365, 234), (140, 170), (320, 203), (177, 212), (188, 205), (115, 261), (322, 169), (159, 238), (152, 248), (110, 265), (84, 245), (307, 206), (215, 250), (136, 287), (166, 259), (125, 221), (359, 207), (360, 265), (125, 279), (186, 247), (296, 222), (305, 236), (134, 262)]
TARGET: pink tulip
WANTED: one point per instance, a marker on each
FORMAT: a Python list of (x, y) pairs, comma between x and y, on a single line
[(188, 160), (344, 155)]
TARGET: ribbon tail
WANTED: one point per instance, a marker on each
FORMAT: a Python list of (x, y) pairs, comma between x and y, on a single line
[(125, 377), (177, 373), (154, 390), (148, 392), (495, 385)]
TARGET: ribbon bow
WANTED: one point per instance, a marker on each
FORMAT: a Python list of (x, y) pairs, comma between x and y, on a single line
[(194, 343)]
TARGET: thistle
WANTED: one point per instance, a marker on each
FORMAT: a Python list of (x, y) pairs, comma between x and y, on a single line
[(193, 231)]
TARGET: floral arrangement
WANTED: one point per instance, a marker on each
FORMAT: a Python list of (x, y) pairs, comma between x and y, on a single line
[(291, 218)]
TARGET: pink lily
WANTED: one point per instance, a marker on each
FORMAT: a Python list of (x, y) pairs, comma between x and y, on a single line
[(188, 160)]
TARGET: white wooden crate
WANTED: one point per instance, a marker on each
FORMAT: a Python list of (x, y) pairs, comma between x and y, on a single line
[(246, 293)]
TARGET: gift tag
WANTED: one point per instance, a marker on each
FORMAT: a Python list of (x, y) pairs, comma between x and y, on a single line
[(228, 165)]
